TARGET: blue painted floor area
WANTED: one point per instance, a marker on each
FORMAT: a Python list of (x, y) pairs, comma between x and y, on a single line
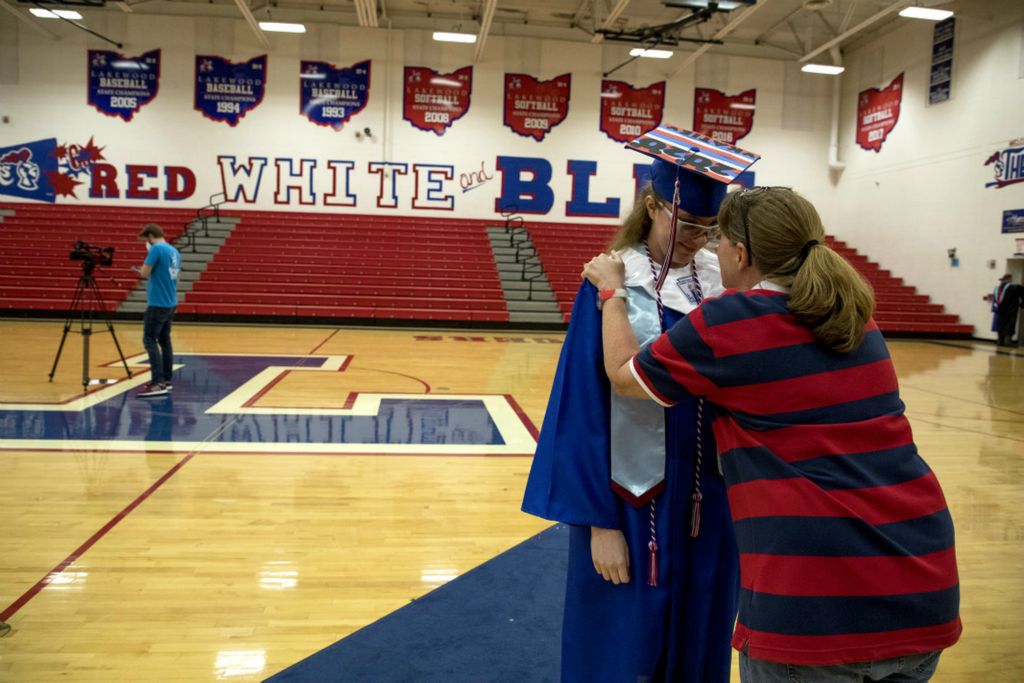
[(499, 622), (205, 380)]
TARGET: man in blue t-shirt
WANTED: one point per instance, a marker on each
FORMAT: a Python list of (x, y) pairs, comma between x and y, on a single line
[(162, 265)]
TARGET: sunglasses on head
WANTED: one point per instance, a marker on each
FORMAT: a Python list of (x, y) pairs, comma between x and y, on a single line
[(744, 205)]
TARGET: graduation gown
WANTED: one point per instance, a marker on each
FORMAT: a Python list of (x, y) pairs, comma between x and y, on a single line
[(679, 630)]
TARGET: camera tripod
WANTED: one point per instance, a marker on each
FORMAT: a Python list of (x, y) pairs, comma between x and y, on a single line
[(87, 292)]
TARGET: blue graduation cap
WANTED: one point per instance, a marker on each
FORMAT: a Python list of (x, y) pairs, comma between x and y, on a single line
[(691, 170)]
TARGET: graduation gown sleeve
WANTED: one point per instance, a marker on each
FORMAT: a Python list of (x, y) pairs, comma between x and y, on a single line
[(570, 480)]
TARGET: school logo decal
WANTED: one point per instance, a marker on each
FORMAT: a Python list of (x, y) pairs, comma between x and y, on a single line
[(226, 91), (1008, 165), (225, 403), (329, 96), (43, 170), (627, 112), (533, 107), (120, 86)]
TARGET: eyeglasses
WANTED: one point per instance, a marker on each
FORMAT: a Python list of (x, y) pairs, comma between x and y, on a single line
[(748, 192), (694, 231)]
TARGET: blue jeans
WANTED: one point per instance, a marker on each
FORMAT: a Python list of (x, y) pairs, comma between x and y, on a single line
[(156, 337), (906, 669)]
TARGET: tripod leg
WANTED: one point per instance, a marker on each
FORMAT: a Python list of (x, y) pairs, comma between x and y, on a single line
[(110, 327), (76, 303)]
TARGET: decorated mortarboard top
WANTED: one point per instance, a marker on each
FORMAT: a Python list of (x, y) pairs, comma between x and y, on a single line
[(703, 170), (694, 152)]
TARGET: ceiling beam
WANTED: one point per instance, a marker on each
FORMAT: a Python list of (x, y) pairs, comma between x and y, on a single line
[(253, 24), (722, 33), (485, 28), (896, 6), (619, 8), (28, 21)]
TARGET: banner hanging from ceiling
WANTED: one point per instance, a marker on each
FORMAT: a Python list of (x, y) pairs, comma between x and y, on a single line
[(726, 118), (940, 83), (434, 101), (534, 107), (628, 112), (226, 91), (878, 111), (120, 86), (329, 96)]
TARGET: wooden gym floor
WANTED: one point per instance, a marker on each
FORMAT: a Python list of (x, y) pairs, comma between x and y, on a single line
[(321, 478)]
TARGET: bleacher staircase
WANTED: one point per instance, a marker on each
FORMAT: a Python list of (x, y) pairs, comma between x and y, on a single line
[(200, 242), (528, 294)]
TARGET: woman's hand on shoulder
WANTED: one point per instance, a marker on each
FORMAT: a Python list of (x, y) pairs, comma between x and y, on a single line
[(605, 271)]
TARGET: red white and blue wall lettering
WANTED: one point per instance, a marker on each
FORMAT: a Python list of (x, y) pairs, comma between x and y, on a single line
[(329, 96), (534, 107), (119, 86), (226, 91), (878, 111), (726, 118), (628, 112), (433, 101), (1007, 165)]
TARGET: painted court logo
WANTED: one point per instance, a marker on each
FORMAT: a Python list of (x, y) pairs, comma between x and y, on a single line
[(1008, 165)]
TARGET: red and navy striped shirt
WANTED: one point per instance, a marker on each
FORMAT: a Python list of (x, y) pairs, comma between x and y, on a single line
[(846, 543)]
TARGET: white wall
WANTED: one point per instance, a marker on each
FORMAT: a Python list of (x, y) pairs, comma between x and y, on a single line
[(925, 191), (43, 91)]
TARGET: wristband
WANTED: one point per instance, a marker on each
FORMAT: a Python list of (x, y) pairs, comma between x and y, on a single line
[(606, 294)]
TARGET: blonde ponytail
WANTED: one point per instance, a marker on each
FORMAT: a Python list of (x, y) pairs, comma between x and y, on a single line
[(826, 293), (831, 298)]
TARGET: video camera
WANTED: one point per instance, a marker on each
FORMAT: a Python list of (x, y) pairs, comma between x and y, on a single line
[(92, 256)]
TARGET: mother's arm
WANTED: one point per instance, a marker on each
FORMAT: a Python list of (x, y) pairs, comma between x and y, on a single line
[(607, 272)]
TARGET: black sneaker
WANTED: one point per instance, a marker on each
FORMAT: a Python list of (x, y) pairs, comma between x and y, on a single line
[(168, 386), (152, 389)]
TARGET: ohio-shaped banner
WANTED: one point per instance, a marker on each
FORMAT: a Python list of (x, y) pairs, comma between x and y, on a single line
[(533, 107), (878, 111), (329, 96), (226, 91), (120, 86), (628, 112), (726, 118), (433, 101)]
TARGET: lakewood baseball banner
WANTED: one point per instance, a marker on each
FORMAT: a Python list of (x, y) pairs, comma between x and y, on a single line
[(226, 91), (533, 107), (433, 101), (329, 96), (878, 111), (727, 118), (627, 112), (119, 86)]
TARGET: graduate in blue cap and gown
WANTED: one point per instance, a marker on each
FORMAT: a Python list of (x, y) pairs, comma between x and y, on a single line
[(653, 569)]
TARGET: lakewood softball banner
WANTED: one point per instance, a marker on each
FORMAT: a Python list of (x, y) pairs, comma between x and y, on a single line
[(119, 86), (329, 96), (727, 118), (717, 160), (627, 112), (226, 91), (533, 107), (433, 101), (878, 111)]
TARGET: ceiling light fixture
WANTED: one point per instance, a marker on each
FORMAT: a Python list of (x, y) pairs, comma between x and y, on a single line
[(450, 37), (55, 14), (826, 69), (282, 27), (926, 13), (650, 54)]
